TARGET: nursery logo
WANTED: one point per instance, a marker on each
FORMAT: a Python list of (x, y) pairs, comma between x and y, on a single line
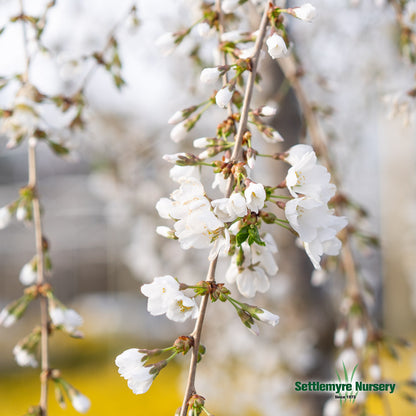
[(346, 390)]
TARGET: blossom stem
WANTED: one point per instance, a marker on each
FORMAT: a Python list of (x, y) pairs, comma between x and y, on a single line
[(280, 197), (196, 334), (44, 317), (32, 183), (236, 155)]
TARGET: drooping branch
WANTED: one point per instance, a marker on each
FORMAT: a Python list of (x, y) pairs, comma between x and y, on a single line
[(236, 155)]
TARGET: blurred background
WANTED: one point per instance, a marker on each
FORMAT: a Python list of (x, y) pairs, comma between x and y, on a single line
[(99, 216)]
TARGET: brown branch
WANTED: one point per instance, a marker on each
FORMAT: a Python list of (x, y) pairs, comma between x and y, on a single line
[(32, 183), (196, 334), (44, 317)]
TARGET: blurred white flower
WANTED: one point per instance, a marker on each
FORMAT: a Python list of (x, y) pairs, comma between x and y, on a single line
[(80, 402), (409, 15), (228, 6), (359, 337), (232, 36), (176, 118), (276, 46), (203, 29), (5, 217), (23, 357), (6, 318), (209, 75), (375, 372), (69, 319), (340, 337), (173, 158), (255, 196), (305, 12), (21, 213), (268, 111), (332, 408), (166, 43), (179, 132), (28, 274)]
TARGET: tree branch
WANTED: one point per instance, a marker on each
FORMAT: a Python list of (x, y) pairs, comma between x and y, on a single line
[(236, 155)]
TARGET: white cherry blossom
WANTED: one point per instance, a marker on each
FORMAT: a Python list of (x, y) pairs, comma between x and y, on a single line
[(131, 368), (255, 196), (228, 209), (160, 293), (164, 297), (308, 178), (276, 46), (220, 182), (180, 173)]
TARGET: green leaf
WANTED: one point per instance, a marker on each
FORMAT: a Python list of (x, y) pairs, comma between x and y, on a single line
[(254, 236), (242, 235), (57, 148)]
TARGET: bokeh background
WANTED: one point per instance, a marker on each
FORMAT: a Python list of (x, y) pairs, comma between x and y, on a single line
[(100, 219)]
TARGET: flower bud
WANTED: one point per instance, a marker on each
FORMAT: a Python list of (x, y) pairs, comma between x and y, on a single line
[(202, 142), (166, 232), (248, 321), (223, 96), (178, 133), (306, 12), (28, 275), (210, 75), (183, 344), (267, 111)]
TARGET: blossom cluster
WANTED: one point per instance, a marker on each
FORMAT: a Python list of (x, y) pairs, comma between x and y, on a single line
[(233, 227), (308, 213)]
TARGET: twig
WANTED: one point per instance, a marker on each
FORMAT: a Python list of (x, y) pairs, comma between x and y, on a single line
[(32, 183), (196, 334), (44, 317)]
